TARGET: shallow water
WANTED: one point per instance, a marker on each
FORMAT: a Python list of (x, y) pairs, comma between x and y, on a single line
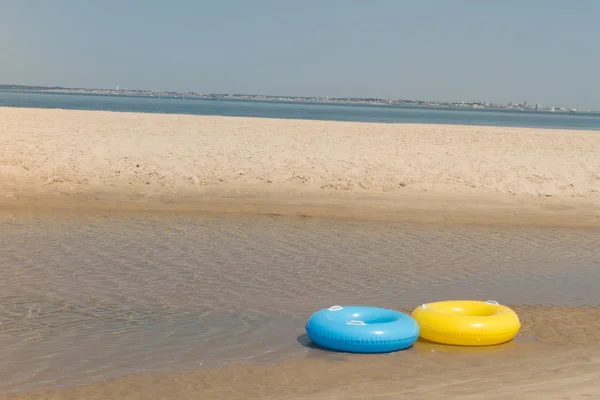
[(84, 298)]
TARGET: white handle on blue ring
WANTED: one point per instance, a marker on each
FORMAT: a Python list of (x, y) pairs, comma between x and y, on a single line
[(492, 302), (335, 308), (355, 323)]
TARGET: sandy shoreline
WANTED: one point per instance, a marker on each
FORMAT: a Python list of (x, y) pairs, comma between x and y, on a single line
[(429, 173), (561, 362), (84, 161), (540, 372)]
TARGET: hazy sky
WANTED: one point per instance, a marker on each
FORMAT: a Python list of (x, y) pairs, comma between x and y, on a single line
[(542, 51)]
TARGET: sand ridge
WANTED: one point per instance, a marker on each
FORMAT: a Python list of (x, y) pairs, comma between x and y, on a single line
[(139, 157)]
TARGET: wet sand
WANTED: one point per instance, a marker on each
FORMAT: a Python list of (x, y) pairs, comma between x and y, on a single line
[(549, 374), (403, 172)]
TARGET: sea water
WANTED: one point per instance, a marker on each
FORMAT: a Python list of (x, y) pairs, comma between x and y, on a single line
[(312, 111)]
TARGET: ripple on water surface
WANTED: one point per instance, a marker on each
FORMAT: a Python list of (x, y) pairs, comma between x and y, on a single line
[(89, 297)]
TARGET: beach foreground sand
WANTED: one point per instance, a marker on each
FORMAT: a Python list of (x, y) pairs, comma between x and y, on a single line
[(78, 159), (552, 374), (562, 362)]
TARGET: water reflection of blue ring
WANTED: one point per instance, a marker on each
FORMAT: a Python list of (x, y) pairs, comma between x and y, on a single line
[(359, 329)]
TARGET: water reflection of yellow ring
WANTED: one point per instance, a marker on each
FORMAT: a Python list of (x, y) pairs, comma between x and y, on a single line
[(467, 323), (424, 346)]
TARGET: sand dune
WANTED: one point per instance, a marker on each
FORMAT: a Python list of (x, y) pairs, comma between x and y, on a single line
[(163, 159)]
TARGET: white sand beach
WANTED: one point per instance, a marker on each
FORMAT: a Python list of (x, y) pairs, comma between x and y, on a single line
[(65, 158)]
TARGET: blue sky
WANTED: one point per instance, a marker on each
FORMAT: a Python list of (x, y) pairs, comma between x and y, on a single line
[(542, 51)]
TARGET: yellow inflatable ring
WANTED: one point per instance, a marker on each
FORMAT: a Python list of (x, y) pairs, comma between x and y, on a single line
[(466, 322)]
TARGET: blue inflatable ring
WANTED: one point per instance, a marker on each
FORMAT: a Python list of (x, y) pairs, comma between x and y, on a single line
[(358, 329)]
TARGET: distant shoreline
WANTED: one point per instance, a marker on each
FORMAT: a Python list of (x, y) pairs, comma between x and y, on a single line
[(296, 110), (293, 99)]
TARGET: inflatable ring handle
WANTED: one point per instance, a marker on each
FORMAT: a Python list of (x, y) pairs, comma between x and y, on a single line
[(335, 308), (355, 323), (492, 302)]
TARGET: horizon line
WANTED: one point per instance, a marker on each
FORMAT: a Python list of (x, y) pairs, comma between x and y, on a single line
[(333, 98)]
